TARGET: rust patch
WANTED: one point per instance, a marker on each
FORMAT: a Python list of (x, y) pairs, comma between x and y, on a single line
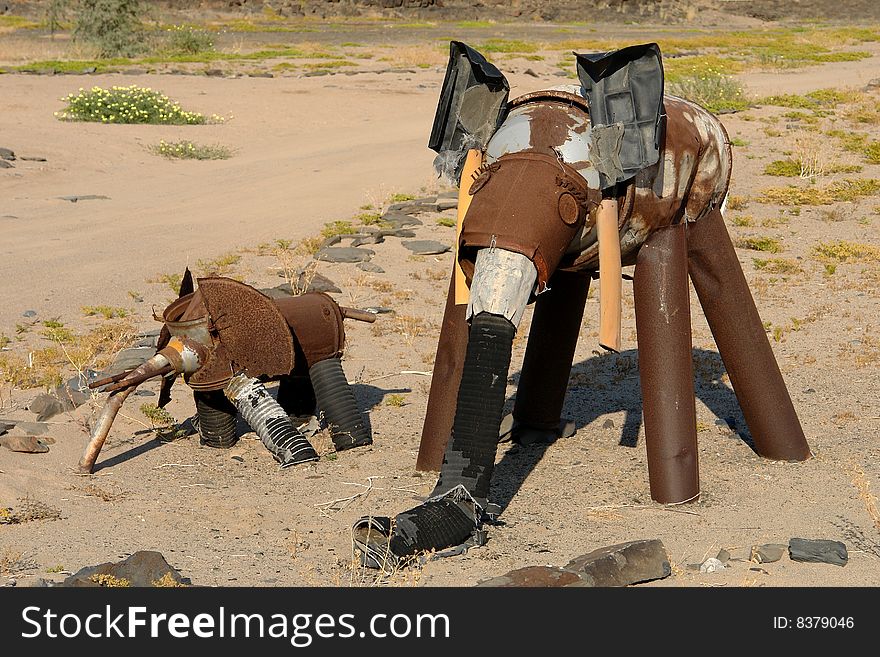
[(317, 325)]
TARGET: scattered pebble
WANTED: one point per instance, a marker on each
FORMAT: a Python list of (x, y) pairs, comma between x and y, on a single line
[(29, 313), (768, 553), (24, 444), (711, 565), (371, 267), (608, 424), (529, 71)]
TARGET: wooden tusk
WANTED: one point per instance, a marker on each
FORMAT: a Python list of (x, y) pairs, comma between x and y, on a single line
[(471, 163), (609, 275)]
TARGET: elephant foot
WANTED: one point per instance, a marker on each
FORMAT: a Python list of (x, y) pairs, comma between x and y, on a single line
[(452, 520), (524, 434)]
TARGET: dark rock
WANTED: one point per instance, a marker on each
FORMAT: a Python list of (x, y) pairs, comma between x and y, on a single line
[(130, 358), (529, 71), (331, 241), (723, 555), (6, 154), (735, 554), (83, 197), (214, 73), (534, 576), (426, 247), (25, 444), (344, 254), (608, 424), (370, 267), (623, 564), (263, 74), (307, 281), (400, 219), (416, 206), (561, 74), (873, 84), (378, 310), (142, 392), (5, 426), (400, 232), (6, 165), (767, 553), (143, 568), (33, 159), (817, 551), (360, 239), (29, 313)]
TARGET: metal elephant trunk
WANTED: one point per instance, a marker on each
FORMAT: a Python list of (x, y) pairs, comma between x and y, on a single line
[(227, 339)]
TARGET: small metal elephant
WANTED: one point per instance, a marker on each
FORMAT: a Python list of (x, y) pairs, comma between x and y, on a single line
[(226, 338)]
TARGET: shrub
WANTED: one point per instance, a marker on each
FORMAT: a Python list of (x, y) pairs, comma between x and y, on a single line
[(113, 26), (187, 150), (716, 92), (188, 40), (767, 244), (128, 105)]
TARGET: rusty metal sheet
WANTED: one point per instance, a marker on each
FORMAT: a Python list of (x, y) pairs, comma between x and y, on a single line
[(250, 327), (317, 325)]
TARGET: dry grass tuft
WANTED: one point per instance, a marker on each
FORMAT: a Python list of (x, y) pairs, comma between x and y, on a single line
[(860, 481)]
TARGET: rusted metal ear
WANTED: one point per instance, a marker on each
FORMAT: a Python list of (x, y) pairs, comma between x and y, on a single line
[(186, 287), (250, 327)]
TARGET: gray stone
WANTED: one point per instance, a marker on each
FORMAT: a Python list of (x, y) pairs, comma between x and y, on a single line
[(817, 551), (6, 154), (83, 197), (130, 358), (33, 428), (6, 165), (343, 254), (25, 444), (767, 553), (331, 241), (46, 406), (529, 71), (29, 313), (400, 219), (142, 568), (143, 392), (608, 424), (712, 565), (560, 74), (447, 204), (263, 74), (378, 310), (32, 158), (426, 247), (89, 69), (369, 238), (530, 576), (370, 267), (214, 73), (623, 564), (873, 84), (399, 232), (723, 555), (5, 426), (312, 282)]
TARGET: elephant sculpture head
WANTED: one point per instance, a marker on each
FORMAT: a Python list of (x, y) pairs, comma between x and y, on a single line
[(226, 338), (559, 186)]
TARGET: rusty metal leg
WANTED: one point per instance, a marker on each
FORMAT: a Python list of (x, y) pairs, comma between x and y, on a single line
[(553, 337), (730, 310), (448, 364), (663, 326)]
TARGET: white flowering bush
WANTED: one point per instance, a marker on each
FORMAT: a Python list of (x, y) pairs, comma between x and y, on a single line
[(187, 150), (128, 105)]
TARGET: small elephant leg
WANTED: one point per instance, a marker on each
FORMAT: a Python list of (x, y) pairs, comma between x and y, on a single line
[(448, 366), (666, 373), (742, 341), (348, 426), (553, 337)]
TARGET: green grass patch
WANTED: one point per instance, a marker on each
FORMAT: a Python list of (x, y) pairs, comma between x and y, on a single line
[(843, 190), (784, 168), (188, 150), (508, 46), (220, 266), (130, 104), (334, 228), (777, 265), (716, 92), (843, 251), (818, 99), (18, 23), (447, 222), (107, 312), (766, 244)]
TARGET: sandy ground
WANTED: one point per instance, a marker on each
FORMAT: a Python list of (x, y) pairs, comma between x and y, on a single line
[(313, 150)]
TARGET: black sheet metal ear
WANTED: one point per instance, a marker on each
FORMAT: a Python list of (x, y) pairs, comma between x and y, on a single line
[(625, 88), (472, 104)]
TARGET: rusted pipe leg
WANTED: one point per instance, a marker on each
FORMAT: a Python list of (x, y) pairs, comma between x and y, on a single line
[(448, 365), (730, 310), (553, 337), (102, 430), (666, 373)]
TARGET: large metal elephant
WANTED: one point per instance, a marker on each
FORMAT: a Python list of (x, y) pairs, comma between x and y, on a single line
[(573, 181), (226, 339)]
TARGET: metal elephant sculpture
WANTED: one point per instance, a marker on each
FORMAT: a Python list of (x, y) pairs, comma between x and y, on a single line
[(226, 338), (557, 186)]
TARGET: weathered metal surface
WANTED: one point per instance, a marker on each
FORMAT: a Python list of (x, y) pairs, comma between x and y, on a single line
[(317, 325), (742, 341), (250, 327), (663, 325), (502, 283)]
